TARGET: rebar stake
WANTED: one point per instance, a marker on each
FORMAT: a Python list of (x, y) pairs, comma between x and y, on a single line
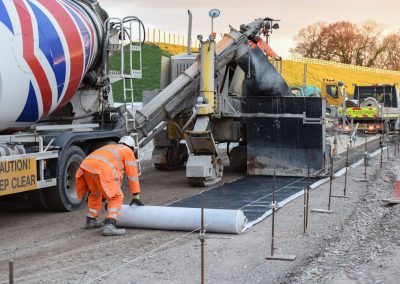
[(308, 187), (387, 145), (381, 145), (365, 163), (11, 271), (305, 199), (273, 206), (202, 239), (330, 193), (347, 166)]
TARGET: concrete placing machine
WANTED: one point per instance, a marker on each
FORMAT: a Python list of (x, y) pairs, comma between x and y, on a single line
[(226, 95), (62, 107)]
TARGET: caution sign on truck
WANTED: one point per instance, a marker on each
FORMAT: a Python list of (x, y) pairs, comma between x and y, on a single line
[(17, 175)]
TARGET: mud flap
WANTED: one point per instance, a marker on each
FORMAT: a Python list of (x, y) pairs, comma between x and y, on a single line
[(290, 131)]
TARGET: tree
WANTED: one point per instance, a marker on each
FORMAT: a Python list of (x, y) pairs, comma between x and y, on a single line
[(349, 43), (310, 42), (390, 57), (370, 45), (342, 38)]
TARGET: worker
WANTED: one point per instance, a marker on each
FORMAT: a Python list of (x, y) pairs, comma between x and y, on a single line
[(264, 46), (101, 175)]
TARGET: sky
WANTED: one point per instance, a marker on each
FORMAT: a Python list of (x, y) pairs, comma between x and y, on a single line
[(171, 15)]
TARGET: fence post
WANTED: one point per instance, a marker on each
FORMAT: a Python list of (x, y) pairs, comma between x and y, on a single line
[(154, 36)]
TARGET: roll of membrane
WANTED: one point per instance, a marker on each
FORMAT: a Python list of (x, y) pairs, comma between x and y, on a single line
[(182, 219)]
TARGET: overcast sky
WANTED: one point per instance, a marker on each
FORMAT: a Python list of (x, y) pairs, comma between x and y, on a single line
[(171, 15)]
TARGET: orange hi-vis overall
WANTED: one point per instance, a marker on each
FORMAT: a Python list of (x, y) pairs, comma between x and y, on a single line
[(101, 174), (264, 47)]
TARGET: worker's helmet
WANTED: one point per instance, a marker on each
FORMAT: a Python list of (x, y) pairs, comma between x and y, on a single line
[(128, 141)]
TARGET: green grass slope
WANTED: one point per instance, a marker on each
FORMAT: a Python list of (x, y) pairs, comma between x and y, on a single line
[(151, 58)]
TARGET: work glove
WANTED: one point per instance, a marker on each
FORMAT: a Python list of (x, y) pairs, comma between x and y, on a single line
[(136, 200)]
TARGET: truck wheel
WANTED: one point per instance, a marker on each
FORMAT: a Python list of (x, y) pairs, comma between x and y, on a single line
[(38, 200), (63, 196)]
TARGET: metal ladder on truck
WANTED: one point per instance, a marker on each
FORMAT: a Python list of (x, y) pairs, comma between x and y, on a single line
[(128, 72), (119, 31)]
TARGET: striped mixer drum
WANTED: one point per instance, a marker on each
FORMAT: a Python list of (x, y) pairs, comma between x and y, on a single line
[(46, 47)]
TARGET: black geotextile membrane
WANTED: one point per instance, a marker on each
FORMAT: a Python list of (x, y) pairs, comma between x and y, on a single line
[(252, 194)]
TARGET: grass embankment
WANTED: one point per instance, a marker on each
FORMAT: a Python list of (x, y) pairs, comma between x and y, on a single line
[(151, 58), (292, 72)]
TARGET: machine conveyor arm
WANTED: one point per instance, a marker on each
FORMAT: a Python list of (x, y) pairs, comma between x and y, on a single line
[(233, 46)]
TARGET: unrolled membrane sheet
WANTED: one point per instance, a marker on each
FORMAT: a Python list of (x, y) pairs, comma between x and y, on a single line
[(251, 194), (182, 219)]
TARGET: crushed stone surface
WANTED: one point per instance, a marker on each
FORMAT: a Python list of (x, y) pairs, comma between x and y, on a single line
[(358, 243)]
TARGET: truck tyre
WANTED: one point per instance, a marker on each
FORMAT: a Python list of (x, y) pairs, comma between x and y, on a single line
[(63, 197), (38, 200)]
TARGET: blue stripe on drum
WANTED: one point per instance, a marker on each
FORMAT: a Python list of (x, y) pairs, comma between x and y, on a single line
[(30, 113), (50, 44), (4, 17), (83, 12), (85, 33)]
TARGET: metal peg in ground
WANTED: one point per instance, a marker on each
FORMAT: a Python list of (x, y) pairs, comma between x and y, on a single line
[(11, 271), (367, 160), (381, 146), (330, 193), (274, 206), (388, 148), (307, 194), (398, 141), (347, 166), (396, 194), (202, 238)]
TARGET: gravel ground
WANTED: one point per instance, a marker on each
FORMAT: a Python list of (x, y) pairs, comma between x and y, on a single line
[(358, 242)]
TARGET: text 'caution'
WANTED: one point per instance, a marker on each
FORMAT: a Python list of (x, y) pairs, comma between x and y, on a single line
[(17, 175)]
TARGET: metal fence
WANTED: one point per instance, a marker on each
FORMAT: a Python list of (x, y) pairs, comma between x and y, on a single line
[(159, 36), (297, 58)]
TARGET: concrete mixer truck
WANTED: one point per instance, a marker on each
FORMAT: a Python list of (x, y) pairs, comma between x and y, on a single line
[(55, 95)]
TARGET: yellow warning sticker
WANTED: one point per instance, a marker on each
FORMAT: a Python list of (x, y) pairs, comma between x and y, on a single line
[(17, 175)]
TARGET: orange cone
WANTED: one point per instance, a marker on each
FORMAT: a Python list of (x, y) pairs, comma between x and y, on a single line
[(396, 194)]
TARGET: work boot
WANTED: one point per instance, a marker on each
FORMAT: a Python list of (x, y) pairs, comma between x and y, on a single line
[(109, 228), (92, 223)]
